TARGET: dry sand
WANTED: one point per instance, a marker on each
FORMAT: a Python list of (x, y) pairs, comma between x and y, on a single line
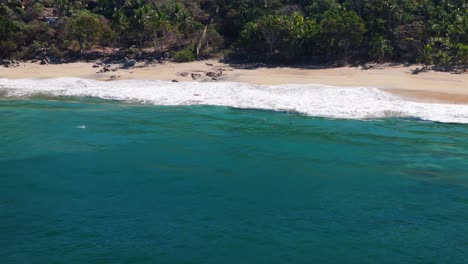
[(428, 86)]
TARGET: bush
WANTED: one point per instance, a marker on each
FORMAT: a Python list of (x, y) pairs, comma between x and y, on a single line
[(380, 48), (86, 28), (185, 55), (7, 48)]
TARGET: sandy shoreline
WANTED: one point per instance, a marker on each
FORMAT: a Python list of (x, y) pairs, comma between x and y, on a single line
[(429, 86)]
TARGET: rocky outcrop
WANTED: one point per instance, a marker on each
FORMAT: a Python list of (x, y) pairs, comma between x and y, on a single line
[(105, 67)]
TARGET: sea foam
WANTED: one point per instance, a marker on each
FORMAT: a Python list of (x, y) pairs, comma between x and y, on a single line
[(310, 99)]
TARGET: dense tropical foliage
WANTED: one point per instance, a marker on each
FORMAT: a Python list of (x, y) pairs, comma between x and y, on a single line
[(427, 31)]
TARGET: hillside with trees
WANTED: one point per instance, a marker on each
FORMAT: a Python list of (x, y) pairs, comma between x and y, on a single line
[(433, 32)]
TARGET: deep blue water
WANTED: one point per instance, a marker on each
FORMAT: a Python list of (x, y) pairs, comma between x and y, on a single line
[(90, 181)]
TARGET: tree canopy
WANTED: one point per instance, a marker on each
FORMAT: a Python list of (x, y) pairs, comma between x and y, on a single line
[(426, 31)]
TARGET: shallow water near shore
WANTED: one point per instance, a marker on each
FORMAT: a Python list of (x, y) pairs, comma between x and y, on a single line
[(84, 180)]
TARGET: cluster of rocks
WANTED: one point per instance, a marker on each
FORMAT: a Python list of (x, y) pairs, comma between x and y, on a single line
[(214, 75), (149, 58), (105, 67), (159, 57), (10, 63)]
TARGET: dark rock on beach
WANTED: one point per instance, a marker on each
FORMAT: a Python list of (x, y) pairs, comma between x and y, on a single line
[(9, 63), (129, 63), (44, 58), (214, 74)]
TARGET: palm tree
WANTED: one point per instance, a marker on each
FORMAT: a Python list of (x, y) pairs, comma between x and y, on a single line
[(137, 20), (159, 23), (185, 22), (119, 23)]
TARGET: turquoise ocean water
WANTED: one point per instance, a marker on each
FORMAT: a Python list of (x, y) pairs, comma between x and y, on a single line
[(94, 181)]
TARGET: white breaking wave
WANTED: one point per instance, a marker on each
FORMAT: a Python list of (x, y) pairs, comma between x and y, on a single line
[(310, 99)]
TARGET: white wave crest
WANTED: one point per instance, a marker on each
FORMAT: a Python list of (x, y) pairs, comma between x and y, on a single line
[(312, 99)]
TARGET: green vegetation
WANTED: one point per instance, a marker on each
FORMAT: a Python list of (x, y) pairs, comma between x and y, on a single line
[(292, 31), (85, 28), (185, 55)]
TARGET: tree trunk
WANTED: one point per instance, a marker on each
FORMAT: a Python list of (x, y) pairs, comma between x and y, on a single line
[(141, 43), (202, 38), (155, 38), (81, 44), (270, 51)]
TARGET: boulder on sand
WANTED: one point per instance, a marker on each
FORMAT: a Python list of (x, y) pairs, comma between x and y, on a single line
[(129, 63)]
